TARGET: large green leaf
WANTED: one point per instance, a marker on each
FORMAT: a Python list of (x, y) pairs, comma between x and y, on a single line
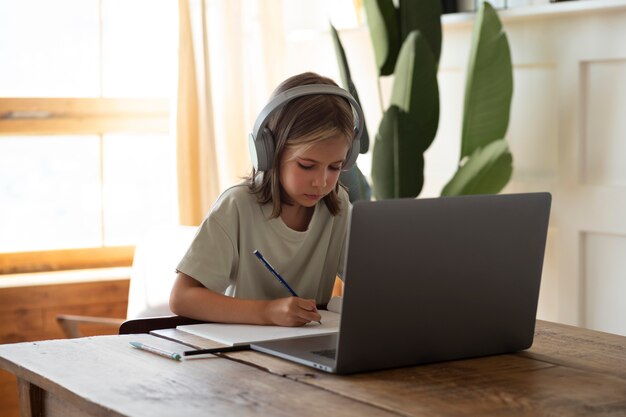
[(425, 16), (489, 84), (486, 171), (346, 81), (409, 126), (397, 163), (382, 20), (415, 90)]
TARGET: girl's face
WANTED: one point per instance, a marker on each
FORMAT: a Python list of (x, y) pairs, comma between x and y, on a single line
[(306, 177)]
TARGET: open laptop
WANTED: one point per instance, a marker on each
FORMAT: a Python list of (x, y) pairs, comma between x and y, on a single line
[(430, 280)]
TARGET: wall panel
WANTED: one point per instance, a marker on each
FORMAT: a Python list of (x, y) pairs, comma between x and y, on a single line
[(567, 133), (604, 282)]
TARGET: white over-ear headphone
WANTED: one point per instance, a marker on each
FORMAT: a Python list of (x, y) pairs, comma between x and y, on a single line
[(261, 140)]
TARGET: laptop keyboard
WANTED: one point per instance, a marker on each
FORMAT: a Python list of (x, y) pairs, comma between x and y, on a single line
[(327, 353)]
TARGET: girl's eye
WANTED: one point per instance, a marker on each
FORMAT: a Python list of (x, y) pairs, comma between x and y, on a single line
[(337, 168), (305, 167)]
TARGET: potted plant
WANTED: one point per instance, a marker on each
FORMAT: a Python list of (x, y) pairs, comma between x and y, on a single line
[(407, 45)]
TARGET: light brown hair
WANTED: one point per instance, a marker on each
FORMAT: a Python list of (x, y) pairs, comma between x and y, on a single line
[(301, 123)]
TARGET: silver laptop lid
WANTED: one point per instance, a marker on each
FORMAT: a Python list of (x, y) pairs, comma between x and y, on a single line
[(438, 279)]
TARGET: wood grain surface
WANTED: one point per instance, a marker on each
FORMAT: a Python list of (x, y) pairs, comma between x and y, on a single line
[(568, 371), (106, 376)]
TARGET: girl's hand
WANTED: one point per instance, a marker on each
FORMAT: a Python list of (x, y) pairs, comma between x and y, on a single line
[(292, 312)]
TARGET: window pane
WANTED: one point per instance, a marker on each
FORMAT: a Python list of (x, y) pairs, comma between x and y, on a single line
[(49, 48), (140, 42), (139, 185), (49, 193)]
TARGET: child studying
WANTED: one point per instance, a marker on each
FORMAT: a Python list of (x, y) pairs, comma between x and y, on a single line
[(270, 248)]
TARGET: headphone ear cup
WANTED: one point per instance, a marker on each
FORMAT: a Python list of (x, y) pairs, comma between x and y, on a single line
[(264, 146), (253, 153), (353, 153)]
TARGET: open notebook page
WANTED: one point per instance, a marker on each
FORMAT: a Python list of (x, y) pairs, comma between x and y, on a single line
[(244, 334)]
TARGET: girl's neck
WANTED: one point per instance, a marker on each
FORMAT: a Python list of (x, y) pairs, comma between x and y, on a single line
[(297, 217)]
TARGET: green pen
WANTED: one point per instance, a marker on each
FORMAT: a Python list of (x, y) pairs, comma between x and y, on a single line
[(172, 355)]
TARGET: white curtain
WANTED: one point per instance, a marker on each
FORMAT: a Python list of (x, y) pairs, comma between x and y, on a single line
[(246, 46), (198, 175), (231, 57)]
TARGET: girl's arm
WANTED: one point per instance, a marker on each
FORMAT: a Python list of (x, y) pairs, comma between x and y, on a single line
[(190, 298)]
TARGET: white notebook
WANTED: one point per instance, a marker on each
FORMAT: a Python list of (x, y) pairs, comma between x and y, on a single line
[(244, 334)]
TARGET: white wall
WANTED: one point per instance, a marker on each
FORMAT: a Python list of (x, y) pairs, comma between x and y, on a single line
[(568, 136)]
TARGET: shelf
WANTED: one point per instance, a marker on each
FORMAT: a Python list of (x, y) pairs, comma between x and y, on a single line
[(540, 11)]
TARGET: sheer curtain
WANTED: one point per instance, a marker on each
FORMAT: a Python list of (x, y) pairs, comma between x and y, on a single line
[(231, 56), (198, 177)]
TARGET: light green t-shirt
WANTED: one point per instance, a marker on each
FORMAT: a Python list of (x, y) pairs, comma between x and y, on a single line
[(221, 255)]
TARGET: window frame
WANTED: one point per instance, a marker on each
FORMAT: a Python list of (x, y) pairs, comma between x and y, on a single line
[(50, 116), (77, 116)]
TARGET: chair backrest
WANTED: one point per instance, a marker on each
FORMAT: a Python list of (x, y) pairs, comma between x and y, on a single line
[(147, 324), (154, 270), (151, 279)]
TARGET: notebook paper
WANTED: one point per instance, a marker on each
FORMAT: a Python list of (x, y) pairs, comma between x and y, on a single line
[(244, 334)]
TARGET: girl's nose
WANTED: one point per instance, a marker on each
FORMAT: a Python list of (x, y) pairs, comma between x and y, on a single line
[(319, 180)]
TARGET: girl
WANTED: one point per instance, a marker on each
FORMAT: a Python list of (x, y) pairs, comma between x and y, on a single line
[(291, 208)]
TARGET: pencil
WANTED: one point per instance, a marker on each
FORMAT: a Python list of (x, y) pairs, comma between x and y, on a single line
[(171, 355), (276, 274), (223, 349)]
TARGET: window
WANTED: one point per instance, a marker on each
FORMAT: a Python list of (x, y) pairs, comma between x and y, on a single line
[(87, 161)]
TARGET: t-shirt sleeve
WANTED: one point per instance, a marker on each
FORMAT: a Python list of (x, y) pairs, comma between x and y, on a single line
[(211, 258)]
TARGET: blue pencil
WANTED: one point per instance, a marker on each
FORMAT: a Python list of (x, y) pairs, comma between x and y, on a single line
[(273, 271)]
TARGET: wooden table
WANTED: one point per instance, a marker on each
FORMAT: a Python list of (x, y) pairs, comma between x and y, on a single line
[(569, 371)]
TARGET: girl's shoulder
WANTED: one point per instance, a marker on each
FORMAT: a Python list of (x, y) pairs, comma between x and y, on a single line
[(236, 195), (236, 191), (235, 201)]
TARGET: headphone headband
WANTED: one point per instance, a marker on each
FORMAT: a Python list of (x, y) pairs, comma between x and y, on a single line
[(262, 143)]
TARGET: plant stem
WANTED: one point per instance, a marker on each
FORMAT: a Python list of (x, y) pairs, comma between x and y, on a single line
[(380, 97)]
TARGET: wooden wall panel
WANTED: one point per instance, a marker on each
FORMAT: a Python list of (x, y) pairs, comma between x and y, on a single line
[(9, 406), (29, 313), (20, 325), (75, 294)]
